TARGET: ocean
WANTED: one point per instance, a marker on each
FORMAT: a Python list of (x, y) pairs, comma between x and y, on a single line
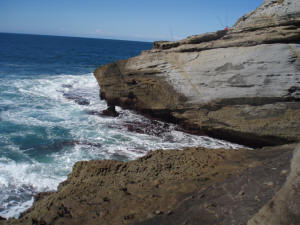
[(50, 115)]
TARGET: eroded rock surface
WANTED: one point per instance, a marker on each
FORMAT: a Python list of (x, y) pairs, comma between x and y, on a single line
[(235, 200), (193, 186), (242, 85)]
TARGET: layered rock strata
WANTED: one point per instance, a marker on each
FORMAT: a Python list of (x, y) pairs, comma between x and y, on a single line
[(241, 85)]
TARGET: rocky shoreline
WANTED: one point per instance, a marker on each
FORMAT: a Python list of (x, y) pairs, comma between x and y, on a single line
[(241, 85), (193, 186)]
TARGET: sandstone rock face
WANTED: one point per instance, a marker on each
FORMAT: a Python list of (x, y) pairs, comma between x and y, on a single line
[(242, 85)]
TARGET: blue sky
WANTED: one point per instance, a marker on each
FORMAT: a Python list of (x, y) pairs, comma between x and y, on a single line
[(121, 19)]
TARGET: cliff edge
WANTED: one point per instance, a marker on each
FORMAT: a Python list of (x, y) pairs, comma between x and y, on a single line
[(242, 85)]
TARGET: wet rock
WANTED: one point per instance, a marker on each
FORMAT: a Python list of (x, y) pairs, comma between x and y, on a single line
[(67, 86), (59, 145), (110, 111), (2, 218), (76, 98), (94, 113), (151, 127)]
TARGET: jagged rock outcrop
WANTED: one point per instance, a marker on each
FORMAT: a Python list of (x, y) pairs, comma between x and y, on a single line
[(241, 85)]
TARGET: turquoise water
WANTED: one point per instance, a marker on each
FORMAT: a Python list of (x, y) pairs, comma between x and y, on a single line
[(49, 101)]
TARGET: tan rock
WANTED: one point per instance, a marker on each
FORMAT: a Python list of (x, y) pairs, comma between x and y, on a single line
[(241, 85)]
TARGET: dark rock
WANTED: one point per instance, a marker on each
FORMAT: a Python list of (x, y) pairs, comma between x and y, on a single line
[(76, 98), (94, 113), (67, 86), (106, 199), (151, 128), (129, 217), (110, 111), (2, 218), (57, 146)]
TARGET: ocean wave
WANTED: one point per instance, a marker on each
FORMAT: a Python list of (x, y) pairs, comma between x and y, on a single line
[(43, 134)]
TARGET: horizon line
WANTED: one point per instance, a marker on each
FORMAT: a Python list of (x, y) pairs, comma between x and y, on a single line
[(54, 35)]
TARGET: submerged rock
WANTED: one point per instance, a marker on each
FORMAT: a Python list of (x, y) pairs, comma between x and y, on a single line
[(110, 111), (76, 98), (241, 85)]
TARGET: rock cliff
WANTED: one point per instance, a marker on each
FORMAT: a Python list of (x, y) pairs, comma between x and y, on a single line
[(241, 85)]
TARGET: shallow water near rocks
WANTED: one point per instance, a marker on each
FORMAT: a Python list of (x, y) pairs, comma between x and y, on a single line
[(47, 93)]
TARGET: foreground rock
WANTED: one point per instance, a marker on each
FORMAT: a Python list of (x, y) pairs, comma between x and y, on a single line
[(194, 186), (284, 206), (235, 200), (241, 85)]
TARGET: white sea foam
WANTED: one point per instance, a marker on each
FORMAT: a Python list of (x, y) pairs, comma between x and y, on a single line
[(67, 135), (14, 209)]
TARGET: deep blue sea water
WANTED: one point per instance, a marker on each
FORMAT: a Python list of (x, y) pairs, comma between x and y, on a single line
[(43, 129)]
